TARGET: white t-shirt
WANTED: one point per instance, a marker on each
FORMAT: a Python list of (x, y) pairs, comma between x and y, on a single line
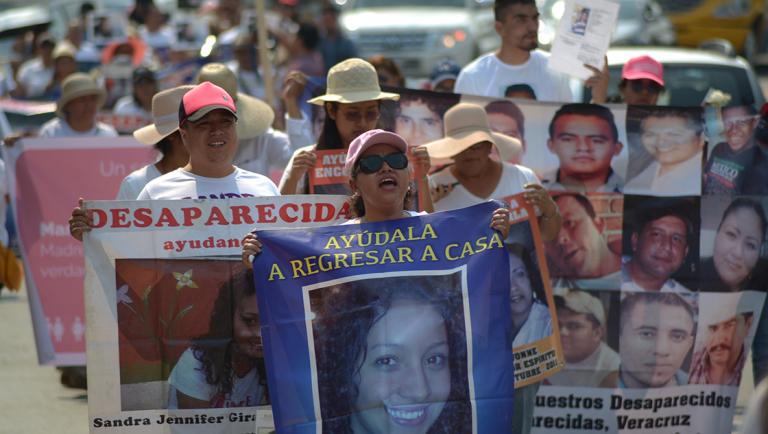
[(180, 184), (683, 180), (132, 184), (163, 38), (269, 151), (489, 76), (56, 127), (513, 178), (188, 377), (537, 326), (35, 77)]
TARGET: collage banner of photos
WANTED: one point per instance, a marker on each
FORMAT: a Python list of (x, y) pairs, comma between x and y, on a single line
[(659, 270), (397, 325), (173, 324)]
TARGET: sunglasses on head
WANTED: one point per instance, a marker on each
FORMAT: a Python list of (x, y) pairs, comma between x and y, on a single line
[(373, 163), (649, 85)]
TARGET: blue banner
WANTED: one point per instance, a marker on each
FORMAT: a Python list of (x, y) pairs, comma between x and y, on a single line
[(396, 326)]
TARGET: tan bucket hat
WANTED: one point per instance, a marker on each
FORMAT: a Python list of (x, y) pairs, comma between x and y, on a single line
[(64, 49), (76, 85), (165, 116), (353, 80), (254, 115), (466, 125)]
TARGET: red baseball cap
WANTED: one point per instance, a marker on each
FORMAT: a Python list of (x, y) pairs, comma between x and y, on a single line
[(203, 99), (368, 139), (643, 67)]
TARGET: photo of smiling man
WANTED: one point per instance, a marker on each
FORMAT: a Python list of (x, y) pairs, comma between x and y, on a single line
[(729, 160), (391, 356), (724, 336), (585, 139), (660, 242), (656, 336), (666, 151)]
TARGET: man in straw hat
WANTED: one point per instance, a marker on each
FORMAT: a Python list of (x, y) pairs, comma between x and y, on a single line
[(260, 147), (590, 362), (725, 321), (351, 104), (474, 177), (81, 98)]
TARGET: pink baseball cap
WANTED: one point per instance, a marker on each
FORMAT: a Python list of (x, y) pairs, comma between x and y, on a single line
[(640, 67), (203, 99), (368, 139)]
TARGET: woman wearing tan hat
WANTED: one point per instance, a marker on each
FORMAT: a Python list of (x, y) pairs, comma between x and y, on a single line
[(351, 105), (81, 98), (475, 177), (164, 135)]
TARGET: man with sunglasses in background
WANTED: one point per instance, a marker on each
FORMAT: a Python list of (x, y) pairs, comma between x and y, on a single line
[(729, 161)]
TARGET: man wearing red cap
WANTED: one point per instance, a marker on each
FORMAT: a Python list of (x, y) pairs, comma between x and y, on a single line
[(207, 120)]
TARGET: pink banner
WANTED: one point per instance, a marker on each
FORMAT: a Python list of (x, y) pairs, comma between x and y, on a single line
[(49, 176)]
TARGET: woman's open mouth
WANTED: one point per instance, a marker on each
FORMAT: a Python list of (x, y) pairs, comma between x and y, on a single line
[(408, 415), (388, 183), (218, 144)]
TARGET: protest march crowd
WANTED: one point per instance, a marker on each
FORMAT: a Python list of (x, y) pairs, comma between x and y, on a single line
[(631, 296)]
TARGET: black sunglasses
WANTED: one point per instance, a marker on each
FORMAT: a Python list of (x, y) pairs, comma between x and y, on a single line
[(639, 85), (372, 163)]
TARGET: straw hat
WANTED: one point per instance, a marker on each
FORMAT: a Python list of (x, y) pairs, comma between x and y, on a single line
[(64, 49), (76, 85), (165, 116), (466, 125), (254, 115), (353, 80)]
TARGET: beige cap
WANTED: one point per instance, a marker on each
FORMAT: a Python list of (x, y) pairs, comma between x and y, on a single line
[(64, 49), (353, 80), (254, 115), (467, 125), (584, 303), (76, 85), (165, 116)]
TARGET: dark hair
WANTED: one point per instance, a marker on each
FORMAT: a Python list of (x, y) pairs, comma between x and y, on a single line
[(666, 208), (585, 109), (308, 35), (215, 349), (531, 266), (581, 199), (500, 7), (520, 87), (380, 62), (691, 115), (749, 204), (664, 298), (345, 315), (330, 138), (356, 204), (508, 108)]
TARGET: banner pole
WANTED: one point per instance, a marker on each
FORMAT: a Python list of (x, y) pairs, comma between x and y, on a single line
[(266, 66)]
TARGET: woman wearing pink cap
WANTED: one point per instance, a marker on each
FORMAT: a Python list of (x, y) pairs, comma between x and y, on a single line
[(377, 166), (642, 82)]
